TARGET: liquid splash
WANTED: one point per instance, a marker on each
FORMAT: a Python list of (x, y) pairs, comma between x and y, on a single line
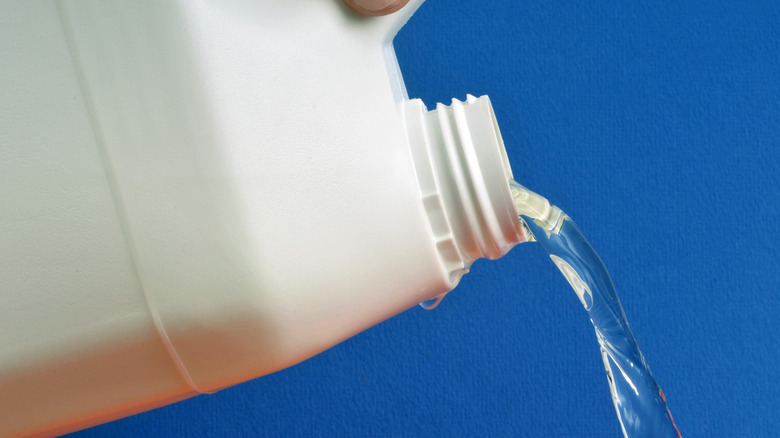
[(639, 401)]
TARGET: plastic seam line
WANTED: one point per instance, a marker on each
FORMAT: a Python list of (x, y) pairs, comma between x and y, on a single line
[(116, 195)]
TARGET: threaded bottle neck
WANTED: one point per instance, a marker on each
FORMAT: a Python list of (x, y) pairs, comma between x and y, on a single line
[(464, 175)]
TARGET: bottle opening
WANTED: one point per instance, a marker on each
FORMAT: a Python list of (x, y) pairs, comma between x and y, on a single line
[(464, 173)]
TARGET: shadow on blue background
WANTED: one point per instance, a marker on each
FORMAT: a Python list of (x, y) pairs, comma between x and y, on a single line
[(656, 126)]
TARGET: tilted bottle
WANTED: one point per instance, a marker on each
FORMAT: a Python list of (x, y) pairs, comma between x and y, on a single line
[(197, 193)]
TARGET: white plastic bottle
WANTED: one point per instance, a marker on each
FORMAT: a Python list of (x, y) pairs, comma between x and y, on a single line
[(196, 193)]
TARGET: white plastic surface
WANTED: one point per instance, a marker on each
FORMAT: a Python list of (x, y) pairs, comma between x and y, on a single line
[(196, 193)]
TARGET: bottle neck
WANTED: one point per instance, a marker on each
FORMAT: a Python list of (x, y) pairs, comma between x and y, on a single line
[(464, 175)]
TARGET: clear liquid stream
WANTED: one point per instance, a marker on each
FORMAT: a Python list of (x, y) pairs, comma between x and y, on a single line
[(639, 401)]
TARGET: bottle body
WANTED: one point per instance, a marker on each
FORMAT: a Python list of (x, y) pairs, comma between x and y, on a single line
[(198, 195)]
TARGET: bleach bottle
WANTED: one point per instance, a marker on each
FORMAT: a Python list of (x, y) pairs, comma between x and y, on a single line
[(198, 193)]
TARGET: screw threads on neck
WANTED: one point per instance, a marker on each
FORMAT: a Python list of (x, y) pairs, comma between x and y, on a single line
[(464, 176)]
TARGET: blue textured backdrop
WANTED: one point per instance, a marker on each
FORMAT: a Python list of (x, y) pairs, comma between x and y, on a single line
[(656, 126)]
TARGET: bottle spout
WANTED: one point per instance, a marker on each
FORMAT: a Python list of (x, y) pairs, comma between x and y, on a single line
[(463, 174)]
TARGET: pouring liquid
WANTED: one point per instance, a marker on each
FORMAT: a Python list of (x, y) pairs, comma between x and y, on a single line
[(639, 401)]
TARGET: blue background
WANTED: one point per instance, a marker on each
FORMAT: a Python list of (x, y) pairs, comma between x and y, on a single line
[(656, 126)]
